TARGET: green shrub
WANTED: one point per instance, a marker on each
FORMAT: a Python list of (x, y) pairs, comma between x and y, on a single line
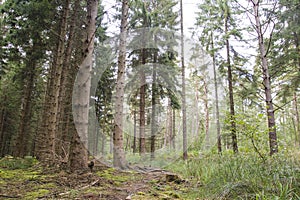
[(10, 162)]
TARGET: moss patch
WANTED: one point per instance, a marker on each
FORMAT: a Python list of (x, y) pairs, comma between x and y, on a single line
[(36, 194)]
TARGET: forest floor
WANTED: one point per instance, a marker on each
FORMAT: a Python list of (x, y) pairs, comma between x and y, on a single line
[(38, 182)]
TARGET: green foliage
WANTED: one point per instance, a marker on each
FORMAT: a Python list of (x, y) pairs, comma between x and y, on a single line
[(36, 194), (243, 176), (8, 162)]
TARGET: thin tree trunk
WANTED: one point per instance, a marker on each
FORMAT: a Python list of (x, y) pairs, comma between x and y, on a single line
[(153, 103), (206, 110), (118, 151), (134, 149), (266, 81), (184, 131), (297, 119), (2, 128), (174, 128), (219, 142), (230, 87), (142, 106), (169, 125)]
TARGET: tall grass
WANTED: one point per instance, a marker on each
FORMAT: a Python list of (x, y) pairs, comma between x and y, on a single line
[(242, 176)]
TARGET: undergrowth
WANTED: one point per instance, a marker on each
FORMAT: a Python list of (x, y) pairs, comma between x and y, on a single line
[(242, 176)]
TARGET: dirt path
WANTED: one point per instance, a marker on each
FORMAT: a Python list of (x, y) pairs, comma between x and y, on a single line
[(103, 183)]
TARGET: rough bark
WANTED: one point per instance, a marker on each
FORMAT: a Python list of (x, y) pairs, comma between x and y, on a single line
[(142, 112), (118, 151), (81, 98), (25, 113), (47, 135), (65, 91), (142, 117), (266, 80)]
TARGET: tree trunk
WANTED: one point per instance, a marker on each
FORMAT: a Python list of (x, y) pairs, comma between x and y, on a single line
[(219, 142), (206, 110), (25, 115), (142, 105), (184, 132), (266, 81), (134, 149), (169, 123), (47, 135), (3, 138), (230, 88), (118, 151), (153, 103), (173, 129), (65, 91), (297, 119), (81, 98)]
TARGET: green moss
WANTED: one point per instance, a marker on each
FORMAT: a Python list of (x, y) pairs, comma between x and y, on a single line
[(94, 190), (46, 186), (11, 174), (116, 177), (10, 162), (19, 174), (73, 194), (36, 194), (172, 194)]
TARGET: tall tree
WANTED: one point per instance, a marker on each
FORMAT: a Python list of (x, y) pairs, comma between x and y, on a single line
[(219, 23), (227, 18), (263, 53), (46, 140), (118, 151), (184, 131), (81, 97), (219, 141), (27, 37), (209, 39)]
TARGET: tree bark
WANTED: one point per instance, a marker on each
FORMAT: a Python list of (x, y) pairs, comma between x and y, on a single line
[(184, 131), (47, 135), (230, 88), (65, 91), (24, 126), (153, 103), (266, 80), (118, 151), (219, 142), (134, 149), (142, 111), (173, 128), (297, 118), (206, 110), (81, 98)]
